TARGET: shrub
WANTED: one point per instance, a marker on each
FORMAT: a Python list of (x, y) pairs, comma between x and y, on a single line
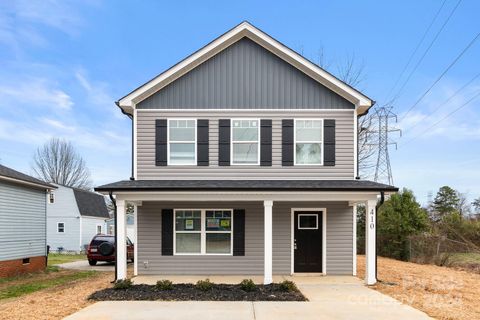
[(248, 285), (164, 285), (204, 285), (288, 286), (122, 284)]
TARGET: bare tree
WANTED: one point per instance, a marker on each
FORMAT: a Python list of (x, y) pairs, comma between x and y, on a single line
[(58, 162)]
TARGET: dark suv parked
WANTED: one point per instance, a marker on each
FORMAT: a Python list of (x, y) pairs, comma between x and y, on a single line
[(102, 248)]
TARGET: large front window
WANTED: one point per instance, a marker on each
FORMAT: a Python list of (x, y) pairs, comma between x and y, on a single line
[(245, 141), (182, 137), (309, 142), (203, 231)]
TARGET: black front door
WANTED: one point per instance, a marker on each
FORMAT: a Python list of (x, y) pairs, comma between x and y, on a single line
[(307, 241)]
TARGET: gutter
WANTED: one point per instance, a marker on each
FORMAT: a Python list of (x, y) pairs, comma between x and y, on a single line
[(131, 118), (116, 226), (379, 204)]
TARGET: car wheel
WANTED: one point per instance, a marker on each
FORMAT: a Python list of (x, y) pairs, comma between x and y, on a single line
[(92, 262)]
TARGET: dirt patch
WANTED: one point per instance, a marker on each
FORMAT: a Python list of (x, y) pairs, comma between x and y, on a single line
[(57, 302), (188, 292), (441, 292)]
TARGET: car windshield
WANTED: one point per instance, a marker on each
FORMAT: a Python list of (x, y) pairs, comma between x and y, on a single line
[(99, 240)]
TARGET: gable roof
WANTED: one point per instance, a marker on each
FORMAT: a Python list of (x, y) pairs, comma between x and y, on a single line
[(245, 29), (9, 174), (90, 203)]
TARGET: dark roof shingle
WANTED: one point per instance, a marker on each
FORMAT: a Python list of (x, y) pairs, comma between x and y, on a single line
[(90, 203), (233, 185), (14, 174)]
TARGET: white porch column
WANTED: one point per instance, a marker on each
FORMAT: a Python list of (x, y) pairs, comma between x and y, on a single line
[(121, 254), (267, 204), (370, 246), (135, 237)]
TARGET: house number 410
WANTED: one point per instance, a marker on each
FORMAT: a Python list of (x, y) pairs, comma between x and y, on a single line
[(372, 221)]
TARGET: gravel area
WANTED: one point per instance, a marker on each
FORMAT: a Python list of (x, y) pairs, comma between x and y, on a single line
[(441, 292), (188, 292)]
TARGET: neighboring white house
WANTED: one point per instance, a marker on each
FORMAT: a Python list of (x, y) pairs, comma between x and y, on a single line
[(74, 216), (130, 226)]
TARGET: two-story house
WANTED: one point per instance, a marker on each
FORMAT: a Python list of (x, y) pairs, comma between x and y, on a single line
[(245, 162)]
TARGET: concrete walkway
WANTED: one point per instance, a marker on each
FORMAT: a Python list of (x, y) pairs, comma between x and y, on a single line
[(83, 265), (329, 298)]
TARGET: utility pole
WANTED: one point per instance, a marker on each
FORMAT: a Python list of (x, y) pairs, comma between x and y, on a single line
[(384, 117)]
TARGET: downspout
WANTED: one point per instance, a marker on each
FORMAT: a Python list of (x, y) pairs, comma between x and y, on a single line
[(379, 204), (115, 220)]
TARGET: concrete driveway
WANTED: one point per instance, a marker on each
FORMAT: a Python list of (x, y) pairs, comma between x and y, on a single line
[(329, 298), (83, 265)]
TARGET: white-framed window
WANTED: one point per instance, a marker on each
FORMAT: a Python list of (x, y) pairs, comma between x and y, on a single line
[(51, 197), (182, 142), (110, 229), (99, 228), (203, 232), (245, 142), (307, 221), (308, 139), (61, 227)]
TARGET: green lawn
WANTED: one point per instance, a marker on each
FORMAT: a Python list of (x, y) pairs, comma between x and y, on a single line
[(38, 281), (57, 258), (468, 258)]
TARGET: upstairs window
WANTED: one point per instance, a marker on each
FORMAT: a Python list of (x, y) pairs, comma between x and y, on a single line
[(309, 142), (61, 227), (51, 197), (182, 142), (99, 229), (245, 142)]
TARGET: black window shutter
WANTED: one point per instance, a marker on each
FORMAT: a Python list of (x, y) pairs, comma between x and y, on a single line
[(329, 142), (238, 232), (266, 142), (202, 142), (224, 142), (287, 142), (167, 232), (161, 142)]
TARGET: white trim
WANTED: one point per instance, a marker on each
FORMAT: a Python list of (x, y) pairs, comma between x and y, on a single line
[(354, 242), (135, 137), (268, 241), (355, 144), (135, 237), (322, 151), (33, 184), (370, 246), (121, 256), (63, 227), (182, 142), (165, 110), (240, 142), (324, 238), (244, 29), (307, 215), (203, 233), (80, 235)]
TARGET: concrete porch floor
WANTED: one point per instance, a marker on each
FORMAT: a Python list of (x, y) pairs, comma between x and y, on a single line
[(330, 297)]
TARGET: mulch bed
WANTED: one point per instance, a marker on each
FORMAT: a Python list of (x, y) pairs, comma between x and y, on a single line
[(188, 292)]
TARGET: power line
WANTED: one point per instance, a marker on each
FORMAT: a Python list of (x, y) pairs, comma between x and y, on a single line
[(444, 103), (425, 53), (416, 49), (447, 116), (442, 74)]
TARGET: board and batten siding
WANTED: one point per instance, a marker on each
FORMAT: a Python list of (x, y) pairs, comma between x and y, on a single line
[(344, 163), (22, 222), (339, 240), (247, 76)]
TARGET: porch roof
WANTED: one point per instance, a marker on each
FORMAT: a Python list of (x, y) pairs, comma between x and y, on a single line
[(246, 185)]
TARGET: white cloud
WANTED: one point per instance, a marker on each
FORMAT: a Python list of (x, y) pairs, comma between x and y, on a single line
[(57, 124), (35, 92)]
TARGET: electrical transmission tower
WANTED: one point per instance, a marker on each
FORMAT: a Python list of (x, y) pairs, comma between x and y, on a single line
[(384, 117)]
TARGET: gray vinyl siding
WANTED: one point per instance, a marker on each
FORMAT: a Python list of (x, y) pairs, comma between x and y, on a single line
[(245, 76), (339, 240), (343, 169), (22, 221)]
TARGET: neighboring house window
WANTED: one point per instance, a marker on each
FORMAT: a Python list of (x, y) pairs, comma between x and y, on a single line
[(51, 198), (203, 232), (60, 227), (182, 141), (110, 229), (309, 142), (245, 141), (99, 228)]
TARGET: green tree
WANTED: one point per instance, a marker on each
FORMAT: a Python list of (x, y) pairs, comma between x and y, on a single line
[(476, 204), (399, 218), (446, 201)]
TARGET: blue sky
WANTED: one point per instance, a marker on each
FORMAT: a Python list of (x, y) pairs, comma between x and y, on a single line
[(64, 63)]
